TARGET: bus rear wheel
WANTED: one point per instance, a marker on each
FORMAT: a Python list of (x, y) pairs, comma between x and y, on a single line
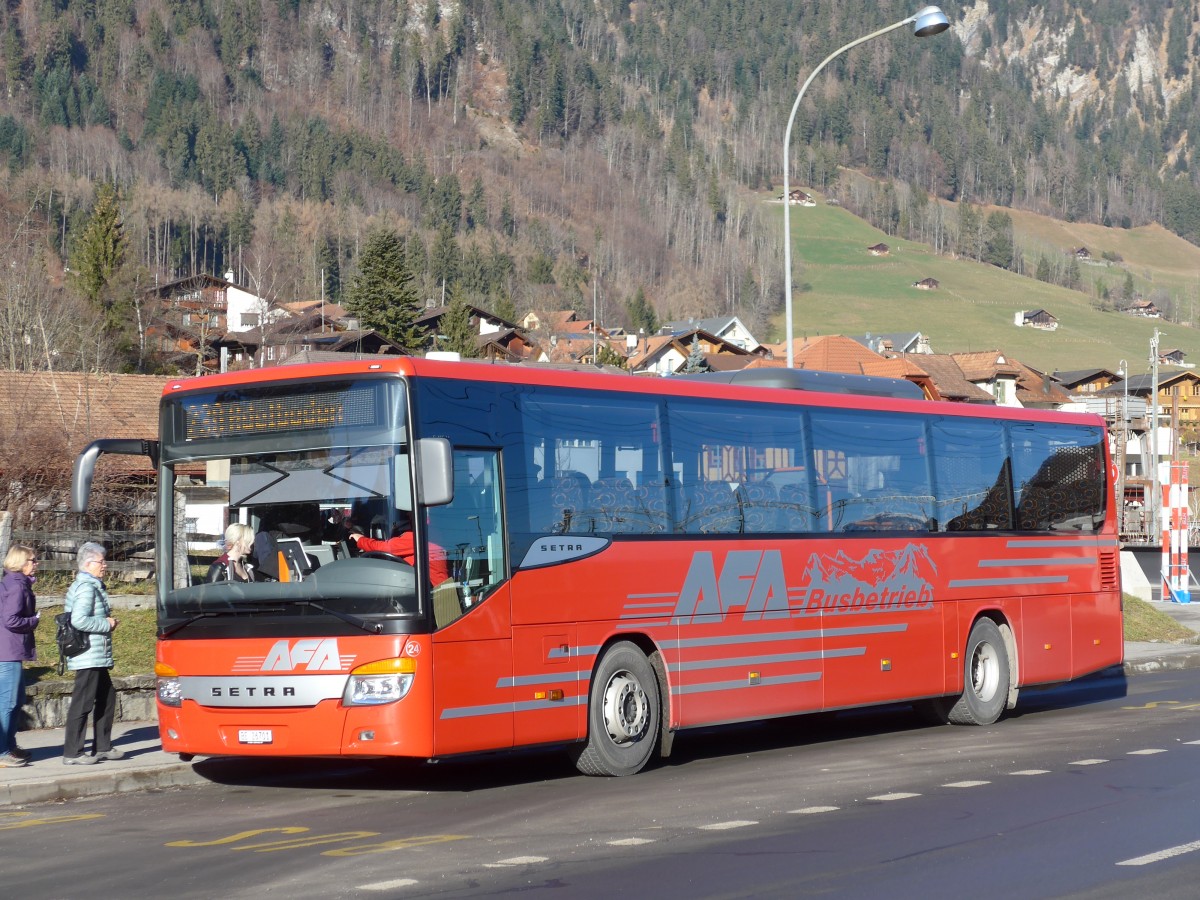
[(624, 711), (985, 677)]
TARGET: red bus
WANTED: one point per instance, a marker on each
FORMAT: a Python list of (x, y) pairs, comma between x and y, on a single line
[(618, 559)]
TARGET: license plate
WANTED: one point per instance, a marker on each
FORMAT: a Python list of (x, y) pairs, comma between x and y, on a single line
[(260, 736)]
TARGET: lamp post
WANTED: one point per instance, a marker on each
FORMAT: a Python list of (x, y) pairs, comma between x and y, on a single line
[(927, 22), (1123, 438), (1155, 500)]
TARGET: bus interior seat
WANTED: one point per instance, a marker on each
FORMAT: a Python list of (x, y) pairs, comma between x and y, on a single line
[(568, 494), (760, 507), (710, 507), (612, 504)]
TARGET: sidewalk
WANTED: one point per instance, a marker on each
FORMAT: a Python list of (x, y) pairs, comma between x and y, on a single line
[(147, 767)]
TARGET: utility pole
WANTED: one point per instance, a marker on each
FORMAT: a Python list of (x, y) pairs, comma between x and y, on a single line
[(1155, 505)]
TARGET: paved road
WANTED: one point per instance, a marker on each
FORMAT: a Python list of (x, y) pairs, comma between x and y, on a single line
[(1088, 790)]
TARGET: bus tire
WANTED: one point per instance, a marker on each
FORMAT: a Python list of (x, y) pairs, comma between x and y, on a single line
[(985, 677), (624, 711)]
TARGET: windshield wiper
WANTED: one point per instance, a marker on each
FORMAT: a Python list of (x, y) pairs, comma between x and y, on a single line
[(357, 622), (195, 615)]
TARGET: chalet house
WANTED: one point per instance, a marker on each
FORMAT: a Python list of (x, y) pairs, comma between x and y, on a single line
[(1172, 358), (1178, 398), (838, 353), (1081, 253), (1086, 381), (879, 250), (496, 338), (951, 384), (896, 342), (560, 322), (1143, 308), (797, 197), (46, 420), (1038, 390), (926, 284), (993, 372), (667, 354), (1036, 318), (185, 318), (728, 328)]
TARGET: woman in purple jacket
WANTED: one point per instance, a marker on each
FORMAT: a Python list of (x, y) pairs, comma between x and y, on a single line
[(18, 619)]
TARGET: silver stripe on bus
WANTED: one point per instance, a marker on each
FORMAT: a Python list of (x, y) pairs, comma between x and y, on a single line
[(1001, 582), (524, 680), (1045, 561), (743, 684), (766, 660), (559, 653), (499, 709), (1067, 542), (669, 604), (667, 595), (808, 634)]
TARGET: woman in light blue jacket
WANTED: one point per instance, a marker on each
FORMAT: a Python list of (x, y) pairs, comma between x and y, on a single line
[(87, 602)]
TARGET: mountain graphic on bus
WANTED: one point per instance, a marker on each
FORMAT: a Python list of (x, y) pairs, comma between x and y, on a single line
[(883, 580)]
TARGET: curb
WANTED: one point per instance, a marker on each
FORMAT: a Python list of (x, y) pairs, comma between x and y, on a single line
[(1164, 663), (51, 789)]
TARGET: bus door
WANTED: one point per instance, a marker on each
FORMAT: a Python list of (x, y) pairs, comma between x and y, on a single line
[(472, 645)]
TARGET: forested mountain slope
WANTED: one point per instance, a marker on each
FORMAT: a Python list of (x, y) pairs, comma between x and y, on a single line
[(528, 150)]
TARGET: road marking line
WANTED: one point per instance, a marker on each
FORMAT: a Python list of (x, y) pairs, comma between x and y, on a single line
[(1147, 752), (515, 861), (630, 842), (724, 826), (896, 796), (1030, 772), (1161, 855), (966, 784), (812, 810), (1192, 742), (1087, 762), (388, 885)]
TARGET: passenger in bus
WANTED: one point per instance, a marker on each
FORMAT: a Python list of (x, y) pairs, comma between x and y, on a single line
[(233, 565), (402, 546)]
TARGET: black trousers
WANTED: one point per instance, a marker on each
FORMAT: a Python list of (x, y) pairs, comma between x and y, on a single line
[(93, 692)]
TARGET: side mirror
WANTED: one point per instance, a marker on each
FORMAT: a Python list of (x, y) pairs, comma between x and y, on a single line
[(437, 471)]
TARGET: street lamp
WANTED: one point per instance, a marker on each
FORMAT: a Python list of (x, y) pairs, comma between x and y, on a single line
[(1123, 438), (929, 21)]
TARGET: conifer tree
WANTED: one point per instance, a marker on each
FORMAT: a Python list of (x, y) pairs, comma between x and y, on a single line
[(457, 334), (695, 361), (100, 249), (383, 292)]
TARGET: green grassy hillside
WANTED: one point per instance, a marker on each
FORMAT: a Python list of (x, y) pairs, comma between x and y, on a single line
[(842, 289)]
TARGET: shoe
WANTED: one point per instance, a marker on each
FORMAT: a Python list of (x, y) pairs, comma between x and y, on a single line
[(82, 760), (8, 761), (112, 753), (20, 754)]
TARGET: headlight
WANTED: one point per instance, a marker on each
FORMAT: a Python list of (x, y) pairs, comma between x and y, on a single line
[(170, 688), (385, 681)]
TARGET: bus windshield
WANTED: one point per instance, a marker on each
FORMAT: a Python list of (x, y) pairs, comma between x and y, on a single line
[(275, 481)]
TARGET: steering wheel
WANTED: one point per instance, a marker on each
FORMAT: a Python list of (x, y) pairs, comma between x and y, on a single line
[(379, 554)]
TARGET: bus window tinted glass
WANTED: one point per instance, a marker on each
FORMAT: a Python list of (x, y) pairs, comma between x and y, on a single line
[(974, 476), (1059, 475), (738, 470), (594, 465), (872, 472)]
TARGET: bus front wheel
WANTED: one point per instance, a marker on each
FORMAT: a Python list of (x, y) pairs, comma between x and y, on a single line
[(623, 714)]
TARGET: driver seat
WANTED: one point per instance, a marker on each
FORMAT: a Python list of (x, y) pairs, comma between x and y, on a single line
[(447, 605)]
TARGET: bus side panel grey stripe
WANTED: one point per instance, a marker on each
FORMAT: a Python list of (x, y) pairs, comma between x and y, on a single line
[(1044, 561), (767, 660), (1003, 582), (744, 685), (499, 709)]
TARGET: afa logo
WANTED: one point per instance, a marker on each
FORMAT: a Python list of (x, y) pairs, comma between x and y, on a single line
[(309, 655), (833, 584)]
